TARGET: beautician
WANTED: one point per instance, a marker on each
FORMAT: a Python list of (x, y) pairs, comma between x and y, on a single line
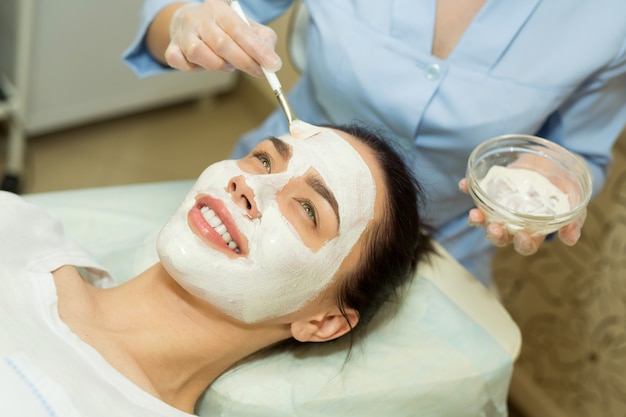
[(441, 75)]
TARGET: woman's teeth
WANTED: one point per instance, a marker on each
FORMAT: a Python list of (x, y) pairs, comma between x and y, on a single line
[(216, 223)]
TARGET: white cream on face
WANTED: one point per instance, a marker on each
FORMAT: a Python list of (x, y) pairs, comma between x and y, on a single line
[(280, 273)]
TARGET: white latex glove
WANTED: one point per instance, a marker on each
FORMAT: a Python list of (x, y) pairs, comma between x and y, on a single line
[(523, 243), (211, 35)]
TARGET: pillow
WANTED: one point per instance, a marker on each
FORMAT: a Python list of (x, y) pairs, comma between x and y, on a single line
[(447, 351)]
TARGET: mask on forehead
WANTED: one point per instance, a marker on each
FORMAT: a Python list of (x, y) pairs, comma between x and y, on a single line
[(280, 273)]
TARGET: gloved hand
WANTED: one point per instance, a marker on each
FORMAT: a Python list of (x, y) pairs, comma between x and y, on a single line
[(523, 243), (211, 35)]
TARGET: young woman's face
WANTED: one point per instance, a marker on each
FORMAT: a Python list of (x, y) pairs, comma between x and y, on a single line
[(259, 237)]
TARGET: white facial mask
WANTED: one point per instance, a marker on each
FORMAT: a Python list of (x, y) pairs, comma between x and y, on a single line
[(280, 273)]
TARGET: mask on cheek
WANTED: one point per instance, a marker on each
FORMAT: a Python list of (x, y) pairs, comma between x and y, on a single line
[(280, 273)]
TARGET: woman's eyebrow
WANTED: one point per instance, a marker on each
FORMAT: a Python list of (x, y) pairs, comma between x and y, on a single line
[(318, 185), (281, 147)]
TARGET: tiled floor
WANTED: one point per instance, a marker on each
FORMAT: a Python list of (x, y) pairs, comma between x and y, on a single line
[(170, 143)]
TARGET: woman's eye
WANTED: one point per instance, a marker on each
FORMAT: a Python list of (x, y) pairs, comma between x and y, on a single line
[(265, 161), (309, 209)]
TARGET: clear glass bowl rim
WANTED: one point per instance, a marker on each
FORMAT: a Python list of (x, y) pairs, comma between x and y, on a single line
[(570, 161)]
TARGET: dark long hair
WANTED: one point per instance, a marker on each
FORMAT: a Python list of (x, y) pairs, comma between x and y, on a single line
[(394, 244)]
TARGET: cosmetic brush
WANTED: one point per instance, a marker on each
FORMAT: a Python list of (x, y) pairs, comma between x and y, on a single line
[(271, 77)]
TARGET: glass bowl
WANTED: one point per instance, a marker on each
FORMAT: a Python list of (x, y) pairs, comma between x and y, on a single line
[(532, 205)]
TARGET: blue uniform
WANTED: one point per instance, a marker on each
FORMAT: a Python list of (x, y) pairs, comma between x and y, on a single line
[(553, 68)]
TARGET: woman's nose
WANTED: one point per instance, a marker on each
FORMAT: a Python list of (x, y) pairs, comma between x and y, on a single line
[(243, 196)]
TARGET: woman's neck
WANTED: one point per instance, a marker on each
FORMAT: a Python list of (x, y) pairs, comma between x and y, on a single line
[(168, 342)]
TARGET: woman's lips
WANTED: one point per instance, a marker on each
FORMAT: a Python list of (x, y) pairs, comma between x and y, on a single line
[(207, 233)]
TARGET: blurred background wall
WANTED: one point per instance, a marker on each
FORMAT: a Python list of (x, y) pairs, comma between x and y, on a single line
[(570, 303)]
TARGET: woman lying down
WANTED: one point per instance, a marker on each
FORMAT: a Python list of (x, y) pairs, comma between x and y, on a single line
[(288, 243)]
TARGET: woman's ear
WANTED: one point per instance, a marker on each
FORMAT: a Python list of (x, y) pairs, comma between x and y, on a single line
[(324, 326)]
